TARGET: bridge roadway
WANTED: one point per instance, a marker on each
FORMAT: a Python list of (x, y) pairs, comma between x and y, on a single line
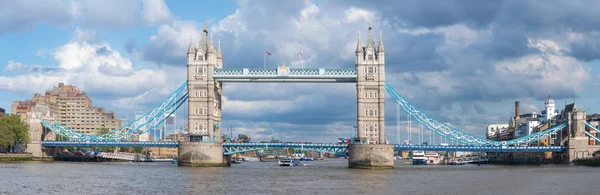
[(231, 148)]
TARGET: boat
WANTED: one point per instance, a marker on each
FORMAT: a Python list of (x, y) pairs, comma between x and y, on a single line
[(236, 162), (286, 162), (433, 158), (289, 162), (418, 158)]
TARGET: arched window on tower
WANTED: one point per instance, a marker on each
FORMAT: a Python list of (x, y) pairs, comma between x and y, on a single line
[(196, 126)]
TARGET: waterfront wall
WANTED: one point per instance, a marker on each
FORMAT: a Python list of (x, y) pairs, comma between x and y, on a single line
[(371, 156), (22, 157), (197, 154)]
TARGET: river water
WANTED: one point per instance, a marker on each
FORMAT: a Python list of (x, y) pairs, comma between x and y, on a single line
[(320, 177)]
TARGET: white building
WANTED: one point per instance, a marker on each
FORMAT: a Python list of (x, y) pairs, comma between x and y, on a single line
[(496, 130), (550, 110), (527, 128)]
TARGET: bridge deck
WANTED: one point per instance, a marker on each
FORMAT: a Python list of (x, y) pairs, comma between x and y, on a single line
[(233, 147), (289, 75)]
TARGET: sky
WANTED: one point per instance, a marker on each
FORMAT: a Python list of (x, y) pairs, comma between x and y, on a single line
[(464, 62)]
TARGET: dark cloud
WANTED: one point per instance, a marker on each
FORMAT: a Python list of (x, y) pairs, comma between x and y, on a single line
[(480, 109)]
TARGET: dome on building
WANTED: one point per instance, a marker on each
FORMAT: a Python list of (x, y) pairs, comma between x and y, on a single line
[(549, 100)]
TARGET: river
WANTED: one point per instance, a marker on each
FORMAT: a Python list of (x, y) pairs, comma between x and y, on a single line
[(320, 177)]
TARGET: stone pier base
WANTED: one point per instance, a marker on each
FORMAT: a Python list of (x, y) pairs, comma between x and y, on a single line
[(371, 156), (35, 148), (197, 154)]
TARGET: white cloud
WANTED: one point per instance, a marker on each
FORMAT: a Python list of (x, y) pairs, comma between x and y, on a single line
[(155, 12), (95, 68), (107, 13), (356, 14), (16, 16)]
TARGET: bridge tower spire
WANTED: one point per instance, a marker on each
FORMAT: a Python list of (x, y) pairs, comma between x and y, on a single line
[(370, 87)]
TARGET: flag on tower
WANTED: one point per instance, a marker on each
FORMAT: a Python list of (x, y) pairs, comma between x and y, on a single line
[(300, 53), (267, 53)]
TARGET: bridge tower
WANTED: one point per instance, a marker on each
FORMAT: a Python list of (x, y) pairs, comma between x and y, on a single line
[(578, 141), (204, 106), (373, 151)]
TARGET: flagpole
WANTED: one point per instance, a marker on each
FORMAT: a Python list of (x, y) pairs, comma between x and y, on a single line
[(265, 65)]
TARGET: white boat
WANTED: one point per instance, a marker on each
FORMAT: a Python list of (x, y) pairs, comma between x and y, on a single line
[(289, 162), (418, 158), (433, 158)]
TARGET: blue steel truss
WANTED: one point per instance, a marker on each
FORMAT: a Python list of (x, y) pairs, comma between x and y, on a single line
[(321, 75), (481, 148), (337, 149), (141, 125), (458, 135), (89, 144), (595, 129)]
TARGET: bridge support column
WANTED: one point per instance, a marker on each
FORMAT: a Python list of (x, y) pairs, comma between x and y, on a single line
[(578, 141), (371, 156), (199, 154), (35, 148)]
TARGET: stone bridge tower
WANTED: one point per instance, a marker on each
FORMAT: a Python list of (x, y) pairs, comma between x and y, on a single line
[(370, 88), (370, 93), (204, 148), (578, 141), (204, 92)]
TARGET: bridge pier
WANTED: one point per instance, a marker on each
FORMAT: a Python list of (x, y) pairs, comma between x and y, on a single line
[(200, 154), (370, 156)]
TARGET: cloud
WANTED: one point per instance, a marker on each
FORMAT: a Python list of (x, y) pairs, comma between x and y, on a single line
[(13, 66), (155, 12), (98, 70), (169, 45), (107, 13), (87, 35), (19, 16)]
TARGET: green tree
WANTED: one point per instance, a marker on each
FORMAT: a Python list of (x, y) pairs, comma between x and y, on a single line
[(138, 149), (103, 131), (291, 150), (13, 129), (124, 149)]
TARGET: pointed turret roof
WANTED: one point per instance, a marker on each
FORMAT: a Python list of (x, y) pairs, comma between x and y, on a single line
[(549, 100), (370, 42), (191, 49), (380, 47), (219, 55), (211, 48), (359, 48)]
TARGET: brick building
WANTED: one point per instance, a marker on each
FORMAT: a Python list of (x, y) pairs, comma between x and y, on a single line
[(72, 108)]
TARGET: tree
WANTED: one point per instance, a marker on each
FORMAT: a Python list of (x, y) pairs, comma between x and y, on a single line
[(13, 129), (103, 131), (138, 149)]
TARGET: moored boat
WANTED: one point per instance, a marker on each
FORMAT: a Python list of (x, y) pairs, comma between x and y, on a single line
[(418, 158)]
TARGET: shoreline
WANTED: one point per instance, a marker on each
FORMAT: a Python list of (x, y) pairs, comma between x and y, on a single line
[(23, 157)]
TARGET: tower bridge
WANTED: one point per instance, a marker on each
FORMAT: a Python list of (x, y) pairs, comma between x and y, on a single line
[(369, 149)]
